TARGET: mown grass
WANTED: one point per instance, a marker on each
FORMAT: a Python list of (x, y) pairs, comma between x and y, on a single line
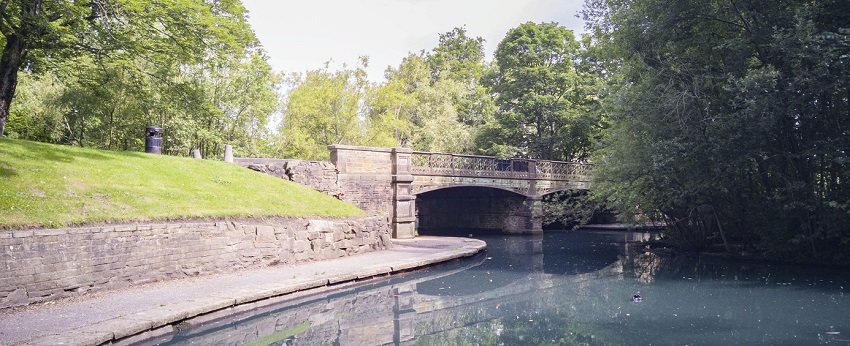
[(44, 185)]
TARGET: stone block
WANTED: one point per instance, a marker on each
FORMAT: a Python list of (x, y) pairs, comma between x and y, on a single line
[(339, 235), (266, 245), (300, 246), (318, 244), (265, 234), (17, 297), (302, 235), (50, 232), (125, 228), (316, 226), (304, 256), (285, 256), (345, 244), (285, 244), (22, 233)]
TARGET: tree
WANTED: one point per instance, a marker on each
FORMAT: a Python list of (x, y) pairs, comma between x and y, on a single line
[(237, 95), (460, 58), (434, 101), (423, 110), (205, 92), (322, 108), (394, 112), (39, 109), (45, 35), (719, 128), (544, 97)]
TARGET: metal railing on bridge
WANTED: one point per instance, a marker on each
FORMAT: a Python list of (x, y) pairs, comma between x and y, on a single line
[(426, 163)]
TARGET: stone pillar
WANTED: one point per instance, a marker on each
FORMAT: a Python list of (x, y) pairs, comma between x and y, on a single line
[(228, 153), (404, 318), (534, 223), (404, 202)]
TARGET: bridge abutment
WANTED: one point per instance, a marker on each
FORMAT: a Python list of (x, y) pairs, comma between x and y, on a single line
[(378, 179)]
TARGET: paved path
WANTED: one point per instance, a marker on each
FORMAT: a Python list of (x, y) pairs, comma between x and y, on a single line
[(145, 311)]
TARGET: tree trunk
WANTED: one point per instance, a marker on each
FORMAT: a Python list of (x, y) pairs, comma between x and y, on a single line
[(13, 57)]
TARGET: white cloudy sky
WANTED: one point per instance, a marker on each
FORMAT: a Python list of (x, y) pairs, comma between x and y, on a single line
[(301, 35)]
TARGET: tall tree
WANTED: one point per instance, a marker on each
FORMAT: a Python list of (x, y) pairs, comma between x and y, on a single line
[(542, 94), (423, 109), (460, 58)]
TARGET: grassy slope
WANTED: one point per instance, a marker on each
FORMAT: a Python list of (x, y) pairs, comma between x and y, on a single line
[(54, 186)]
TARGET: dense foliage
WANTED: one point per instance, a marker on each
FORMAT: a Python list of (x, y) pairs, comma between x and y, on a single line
[(544, 95), (95, 73), (322, 108), (730, 121)]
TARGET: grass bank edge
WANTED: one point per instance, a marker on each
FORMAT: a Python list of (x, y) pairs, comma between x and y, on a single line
[(47, 185)]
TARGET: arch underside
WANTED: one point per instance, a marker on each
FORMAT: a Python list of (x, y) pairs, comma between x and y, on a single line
[(527, 188), (475, 207)]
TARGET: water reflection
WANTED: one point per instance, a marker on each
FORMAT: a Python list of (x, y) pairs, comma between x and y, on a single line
[(561, 288)]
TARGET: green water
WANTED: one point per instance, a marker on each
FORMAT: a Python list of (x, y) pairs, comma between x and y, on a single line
[(562, 288)]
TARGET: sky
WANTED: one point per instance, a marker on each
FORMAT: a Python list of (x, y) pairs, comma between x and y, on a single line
[(301, 35)]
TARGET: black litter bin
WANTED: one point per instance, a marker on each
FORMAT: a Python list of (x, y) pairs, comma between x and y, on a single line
[(153, 140)]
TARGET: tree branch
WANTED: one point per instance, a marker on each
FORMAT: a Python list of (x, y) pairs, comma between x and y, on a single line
[(54, 17), (746, 24), (724, 21), (6, 25)]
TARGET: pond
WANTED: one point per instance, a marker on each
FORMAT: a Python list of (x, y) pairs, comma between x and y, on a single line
[(561, 288)]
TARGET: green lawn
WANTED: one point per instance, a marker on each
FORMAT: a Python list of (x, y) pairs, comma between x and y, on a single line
[(54, 186)]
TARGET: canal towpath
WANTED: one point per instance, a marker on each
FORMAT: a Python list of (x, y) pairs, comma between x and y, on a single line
[(136, 313)]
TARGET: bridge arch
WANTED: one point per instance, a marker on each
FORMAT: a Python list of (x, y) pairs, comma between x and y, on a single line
[(475, 207), (443, 187)]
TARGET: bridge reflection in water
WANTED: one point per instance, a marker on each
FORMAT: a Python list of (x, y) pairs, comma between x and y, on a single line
[(513, 277)]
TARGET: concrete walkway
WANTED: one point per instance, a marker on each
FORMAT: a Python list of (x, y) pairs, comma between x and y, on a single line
[(138, 313)]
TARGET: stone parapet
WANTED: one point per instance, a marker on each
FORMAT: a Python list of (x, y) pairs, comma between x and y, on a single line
[(365, 176), (47, 264), (362, 160)]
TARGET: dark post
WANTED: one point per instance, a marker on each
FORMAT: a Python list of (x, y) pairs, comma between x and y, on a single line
[(153, 140)]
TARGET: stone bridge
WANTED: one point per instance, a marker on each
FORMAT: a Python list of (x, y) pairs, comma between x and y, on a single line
[(422, 190)]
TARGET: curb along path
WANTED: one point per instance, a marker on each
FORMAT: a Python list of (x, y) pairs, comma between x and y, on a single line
[(138, 313)]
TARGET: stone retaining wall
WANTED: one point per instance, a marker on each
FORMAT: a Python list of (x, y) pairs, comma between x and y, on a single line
[(318, 175), (42, 265)]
